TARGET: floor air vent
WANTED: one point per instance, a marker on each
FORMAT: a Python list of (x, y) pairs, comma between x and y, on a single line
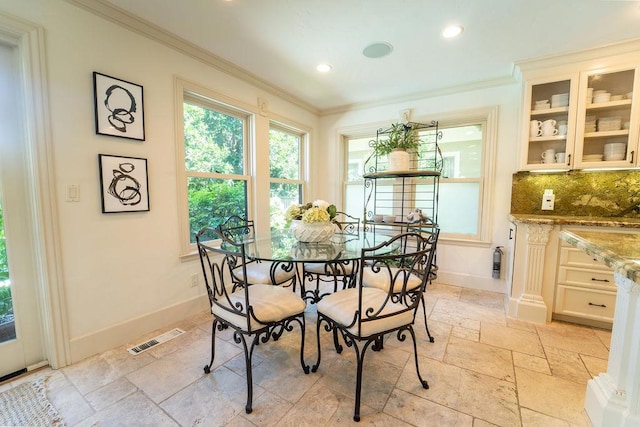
[(141, 348)]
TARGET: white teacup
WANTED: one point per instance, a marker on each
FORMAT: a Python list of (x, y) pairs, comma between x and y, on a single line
[(549, 127), (549, 156), (535, 128), (559, 157), (562, 129)]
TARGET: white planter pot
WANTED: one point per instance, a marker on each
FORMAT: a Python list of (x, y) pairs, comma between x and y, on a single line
[(398, 161), (314, 232)]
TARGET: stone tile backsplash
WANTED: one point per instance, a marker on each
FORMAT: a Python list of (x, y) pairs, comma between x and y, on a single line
[(578, 193)]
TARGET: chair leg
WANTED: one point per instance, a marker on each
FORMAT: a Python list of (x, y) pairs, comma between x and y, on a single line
[(424, 313), (336, 343), (305, 368), (415, 353), (359, 360), (207, 368), (315, 367), (248, 353)]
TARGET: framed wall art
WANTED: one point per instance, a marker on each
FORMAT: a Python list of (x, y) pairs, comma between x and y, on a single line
[(119, 107), (124, 184)]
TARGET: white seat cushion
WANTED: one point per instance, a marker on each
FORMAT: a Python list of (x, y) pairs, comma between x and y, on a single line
[(270, 303), (382, 279), (341, 307), (323, 269), (260, 273)]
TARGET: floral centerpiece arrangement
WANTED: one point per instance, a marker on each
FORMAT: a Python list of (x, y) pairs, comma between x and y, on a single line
[(312, 222)]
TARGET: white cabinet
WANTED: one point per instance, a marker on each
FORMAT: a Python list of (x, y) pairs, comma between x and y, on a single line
[(591, 116), (562, 112), (606, 130), (585, 287)]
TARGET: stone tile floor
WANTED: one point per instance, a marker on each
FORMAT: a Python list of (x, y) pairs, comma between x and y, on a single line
[(483, 369)]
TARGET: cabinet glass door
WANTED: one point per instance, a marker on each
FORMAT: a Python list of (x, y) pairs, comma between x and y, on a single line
[(604, 138), (550, 131)]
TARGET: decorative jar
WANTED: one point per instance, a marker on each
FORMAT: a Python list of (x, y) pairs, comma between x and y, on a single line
[(312, 232)]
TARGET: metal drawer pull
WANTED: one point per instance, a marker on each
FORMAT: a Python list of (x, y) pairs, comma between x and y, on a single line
[(600, 280), (598, 305)]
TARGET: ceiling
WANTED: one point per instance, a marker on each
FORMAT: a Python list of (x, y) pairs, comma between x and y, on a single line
[(282, 41)]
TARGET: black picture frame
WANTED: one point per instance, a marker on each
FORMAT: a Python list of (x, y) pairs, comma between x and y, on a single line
[(119, 107), (124, 184)]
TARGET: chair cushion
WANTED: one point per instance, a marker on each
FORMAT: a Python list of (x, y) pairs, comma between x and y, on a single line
[(270, 304), (382, 280), (324, 269), (260, 274), (341, 307)]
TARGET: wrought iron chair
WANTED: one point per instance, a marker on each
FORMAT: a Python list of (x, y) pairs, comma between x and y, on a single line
[(256, 313), (337, 273), (238, 229), (364, 315)]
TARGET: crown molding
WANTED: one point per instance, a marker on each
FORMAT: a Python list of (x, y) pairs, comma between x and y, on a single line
[(444, 91), (123, 18), (570, 58)]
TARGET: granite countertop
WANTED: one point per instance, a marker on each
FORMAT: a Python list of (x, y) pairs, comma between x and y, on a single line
[(618, 250), (618, 222)]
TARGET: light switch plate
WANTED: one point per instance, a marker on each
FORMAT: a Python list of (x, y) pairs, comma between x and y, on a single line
[(73, 193)]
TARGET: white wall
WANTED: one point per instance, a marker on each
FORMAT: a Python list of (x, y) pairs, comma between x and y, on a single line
[(460, 264), (122, 276)]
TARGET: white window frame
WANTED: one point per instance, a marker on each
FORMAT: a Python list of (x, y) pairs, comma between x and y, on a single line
[(488, 118), (301, 164), (186, 92)]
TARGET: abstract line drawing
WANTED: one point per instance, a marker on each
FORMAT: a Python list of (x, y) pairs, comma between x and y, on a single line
[(118, 107), (124, 184)]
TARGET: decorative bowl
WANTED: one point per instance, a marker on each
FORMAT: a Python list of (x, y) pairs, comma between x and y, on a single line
[(312, 232)]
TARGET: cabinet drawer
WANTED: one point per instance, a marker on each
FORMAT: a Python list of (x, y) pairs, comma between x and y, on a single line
[(583, 277), (585, 303), (574, 257)]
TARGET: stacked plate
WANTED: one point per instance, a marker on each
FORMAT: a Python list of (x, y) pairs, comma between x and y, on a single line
[(542, 105), (606, 124), (590, 124), (601, 96), (592, 157), (615, 151), (559, 100)]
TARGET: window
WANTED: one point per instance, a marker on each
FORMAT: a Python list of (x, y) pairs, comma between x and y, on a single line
[(285, 171), (465, 175), (358, 151), (461, 180), (215, 162)]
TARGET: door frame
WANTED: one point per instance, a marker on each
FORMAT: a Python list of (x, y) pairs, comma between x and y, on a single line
[(28, 39)]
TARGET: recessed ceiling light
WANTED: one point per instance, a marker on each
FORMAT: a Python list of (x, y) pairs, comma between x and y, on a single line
[(377, 50), (452, 31), (324, 68)]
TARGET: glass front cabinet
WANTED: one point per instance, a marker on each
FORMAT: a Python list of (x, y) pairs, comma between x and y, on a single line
[(581, 120)]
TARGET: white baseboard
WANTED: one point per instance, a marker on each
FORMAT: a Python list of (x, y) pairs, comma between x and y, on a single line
[(472, 282), (132, 329)]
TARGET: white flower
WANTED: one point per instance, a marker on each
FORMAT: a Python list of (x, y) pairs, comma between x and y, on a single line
[(321, 204)]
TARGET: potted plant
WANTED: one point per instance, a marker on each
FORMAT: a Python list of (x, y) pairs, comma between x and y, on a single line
[(311, 222), (397, 144)]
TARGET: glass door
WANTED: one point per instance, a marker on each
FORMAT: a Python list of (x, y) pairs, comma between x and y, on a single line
[(7, 319), (606, 136), (21, 337), (550, 114)]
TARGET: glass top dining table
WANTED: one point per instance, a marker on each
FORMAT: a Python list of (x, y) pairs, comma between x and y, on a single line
[(281, 246)]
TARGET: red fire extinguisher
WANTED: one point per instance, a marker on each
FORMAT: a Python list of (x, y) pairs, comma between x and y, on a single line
[(497, 261)]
